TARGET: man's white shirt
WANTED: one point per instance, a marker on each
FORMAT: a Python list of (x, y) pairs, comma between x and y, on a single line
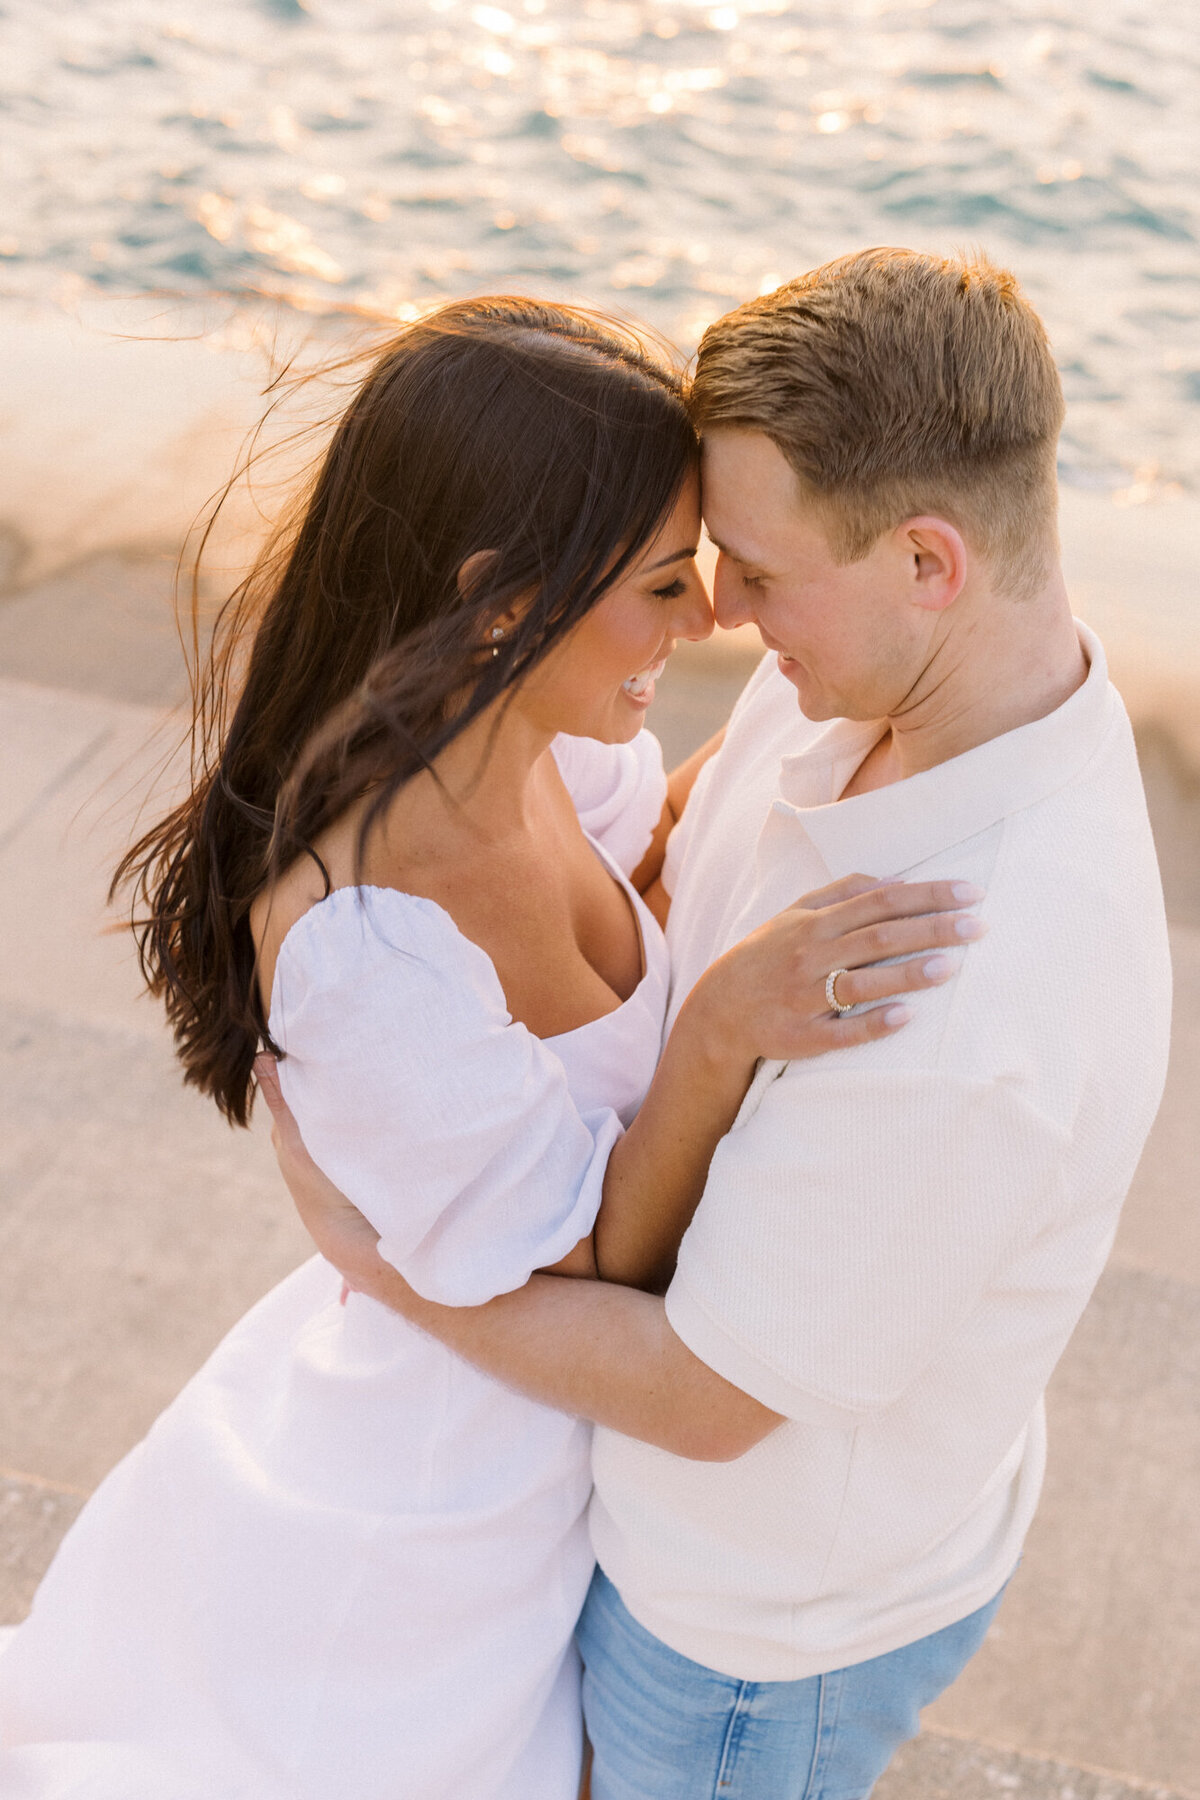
[(896, 1241)]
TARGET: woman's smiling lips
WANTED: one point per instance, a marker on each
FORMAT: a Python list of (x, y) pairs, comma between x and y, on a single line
[(640, 687)]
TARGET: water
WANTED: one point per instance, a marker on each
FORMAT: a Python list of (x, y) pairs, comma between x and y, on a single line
[(659, 156)]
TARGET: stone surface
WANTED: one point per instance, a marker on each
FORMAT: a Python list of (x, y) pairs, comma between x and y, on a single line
[(1160, 1224), (43, 746), (105, 627), (1095, 1653), (33, 1517), (137, 1226), (1173, 795), (944, 1768), (62, 951)]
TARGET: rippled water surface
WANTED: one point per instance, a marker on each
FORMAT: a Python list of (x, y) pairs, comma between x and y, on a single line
[(669, 158)]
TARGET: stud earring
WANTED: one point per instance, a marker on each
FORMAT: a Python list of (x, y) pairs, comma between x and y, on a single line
[(497, 633)]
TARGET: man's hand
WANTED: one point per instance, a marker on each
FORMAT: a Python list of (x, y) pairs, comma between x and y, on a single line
[(339, 1230)]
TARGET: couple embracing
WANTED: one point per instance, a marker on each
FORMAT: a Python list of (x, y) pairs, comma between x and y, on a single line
[(797, 1205)]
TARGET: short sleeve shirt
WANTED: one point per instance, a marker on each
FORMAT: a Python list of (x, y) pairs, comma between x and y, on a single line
[(896, 1240)]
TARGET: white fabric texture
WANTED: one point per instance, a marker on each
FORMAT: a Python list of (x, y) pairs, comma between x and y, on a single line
[(896, 1241), (619, 791), (344, 1562), (452, 1129)]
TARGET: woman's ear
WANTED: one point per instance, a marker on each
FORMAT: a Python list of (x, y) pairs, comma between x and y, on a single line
[(472, 572), (937, 561)]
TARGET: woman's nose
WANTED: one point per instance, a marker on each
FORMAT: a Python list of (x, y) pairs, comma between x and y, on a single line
[(696, 614)]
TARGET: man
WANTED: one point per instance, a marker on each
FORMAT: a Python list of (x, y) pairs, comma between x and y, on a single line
[(895, 1241)]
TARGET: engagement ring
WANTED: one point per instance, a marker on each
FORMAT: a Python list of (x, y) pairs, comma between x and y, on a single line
[(835, 1004)]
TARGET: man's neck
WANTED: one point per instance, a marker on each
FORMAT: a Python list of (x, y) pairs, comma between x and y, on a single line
[(997, 667)]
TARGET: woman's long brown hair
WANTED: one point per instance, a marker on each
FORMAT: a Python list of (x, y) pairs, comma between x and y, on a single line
[(351, 656)]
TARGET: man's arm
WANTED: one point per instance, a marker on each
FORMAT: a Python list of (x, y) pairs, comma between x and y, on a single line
[(615, 1358)]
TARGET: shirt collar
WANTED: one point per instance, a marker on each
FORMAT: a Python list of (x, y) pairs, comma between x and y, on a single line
[(903, 825)]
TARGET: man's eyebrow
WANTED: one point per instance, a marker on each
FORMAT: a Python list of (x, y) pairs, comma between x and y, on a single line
[(675, 556), (727, 550)]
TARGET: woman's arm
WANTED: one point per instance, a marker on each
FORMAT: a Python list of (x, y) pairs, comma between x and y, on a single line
[(764, 998), (680, 783)]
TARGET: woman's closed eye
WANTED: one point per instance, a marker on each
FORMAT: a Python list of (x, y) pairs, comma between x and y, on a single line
[(672, 590)]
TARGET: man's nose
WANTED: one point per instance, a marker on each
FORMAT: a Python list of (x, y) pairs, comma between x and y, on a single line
[(730, 603)]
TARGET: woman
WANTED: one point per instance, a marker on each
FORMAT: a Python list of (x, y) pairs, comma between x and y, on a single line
[(342, 1562)]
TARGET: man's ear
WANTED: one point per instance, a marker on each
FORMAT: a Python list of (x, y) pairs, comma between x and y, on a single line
[(936, 558)]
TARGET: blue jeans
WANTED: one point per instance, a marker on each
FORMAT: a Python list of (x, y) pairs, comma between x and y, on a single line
[(665, 1728)]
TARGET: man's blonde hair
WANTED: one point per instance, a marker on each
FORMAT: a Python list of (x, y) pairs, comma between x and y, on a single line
[(897, 384)]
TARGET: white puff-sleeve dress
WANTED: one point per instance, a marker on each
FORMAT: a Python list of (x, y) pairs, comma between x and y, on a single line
[(344, 1563)]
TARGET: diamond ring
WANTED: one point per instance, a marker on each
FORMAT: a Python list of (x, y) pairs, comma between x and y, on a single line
[(834, 1003)]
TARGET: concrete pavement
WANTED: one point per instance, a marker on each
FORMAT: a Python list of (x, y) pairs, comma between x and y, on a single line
[(135, 1227)]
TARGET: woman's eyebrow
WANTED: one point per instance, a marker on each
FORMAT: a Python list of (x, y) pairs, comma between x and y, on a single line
[(675, 556)]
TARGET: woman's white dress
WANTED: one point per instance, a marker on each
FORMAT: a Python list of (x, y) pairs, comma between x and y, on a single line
[(343, 1565)]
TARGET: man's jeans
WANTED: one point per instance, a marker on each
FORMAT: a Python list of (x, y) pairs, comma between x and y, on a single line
[(665, 1728)]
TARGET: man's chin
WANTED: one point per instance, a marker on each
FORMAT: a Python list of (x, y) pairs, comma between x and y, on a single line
[(813, 704)]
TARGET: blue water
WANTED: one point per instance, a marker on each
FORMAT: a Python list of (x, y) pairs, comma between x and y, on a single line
[(663, 157)]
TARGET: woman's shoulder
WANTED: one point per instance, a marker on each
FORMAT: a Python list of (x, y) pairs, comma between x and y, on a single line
[(384, 950), (277, 909)]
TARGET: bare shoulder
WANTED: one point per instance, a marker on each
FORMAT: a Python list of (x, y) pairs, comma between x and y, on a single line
[(301, 886)]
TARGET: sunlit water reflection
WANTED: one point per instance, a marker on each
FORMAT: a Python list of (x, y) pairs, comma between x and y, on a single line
[(663, 156)]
